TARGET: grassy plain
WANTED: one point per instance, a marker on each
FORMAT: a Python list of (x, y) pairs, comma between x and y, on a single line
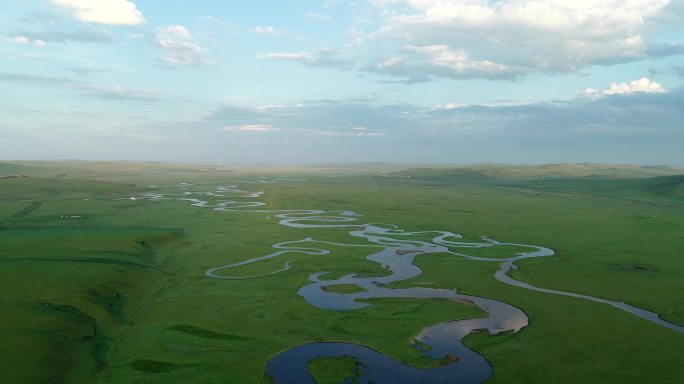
[(96, 289)]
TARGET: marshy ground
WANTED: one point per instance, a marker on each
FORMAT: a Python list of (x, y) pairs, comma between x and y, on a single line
[(100, 289)]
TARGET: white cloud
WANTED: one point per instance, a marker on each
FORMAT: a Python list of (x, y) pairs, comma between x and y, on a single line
[(23, 40), (268, 106), (294, 56), (553, 15), (448, 105), (251, 128), (456, 60), (31, 56), (643, 85), (112, 12), (177, 31), (325, 57), (302, 128), (267, 30), (178, 46), (20, 40), (271, 31), (419, 63), (479, 38), (419, 40), (338, 133)]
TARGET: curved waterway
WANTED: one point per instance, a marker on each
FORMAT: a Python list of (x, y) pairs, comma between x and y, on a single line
[(395, 250)]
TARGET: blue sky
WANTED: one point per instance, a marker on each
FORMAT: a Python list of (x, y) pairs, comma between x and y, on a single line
[(413, 81)]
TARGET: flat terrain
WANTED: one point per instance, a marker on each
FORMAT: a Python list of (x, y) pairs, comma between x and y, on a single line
[(100, 285)]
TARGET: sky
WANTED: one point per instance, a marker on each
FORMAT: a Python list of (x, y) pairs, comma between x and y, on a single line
[(331, 81)]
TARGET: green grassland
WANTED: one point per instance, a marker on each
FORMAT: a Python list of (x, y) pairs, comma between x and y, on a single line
[(100, 290)]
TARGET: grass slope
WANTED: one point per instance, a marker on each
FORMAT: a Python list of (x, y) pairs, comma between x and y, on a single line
[(103, 290)]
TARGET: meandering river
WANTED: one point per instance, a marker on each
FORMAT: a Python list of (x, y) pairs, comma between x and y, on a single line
[(395, 249)]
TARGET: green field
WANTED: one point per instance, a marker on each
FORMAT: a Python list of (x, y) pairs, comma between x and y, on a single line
[(100, 288)]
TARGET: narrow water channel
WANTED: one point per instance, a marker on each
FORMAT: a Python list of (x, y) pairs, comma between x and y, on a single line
[(396, 250)]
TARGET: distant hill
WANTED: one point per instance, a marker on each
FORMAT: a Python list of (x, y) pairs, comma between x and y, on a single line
[(671, 186), (661, 189), (649, 184), (436, 174), (366, 166), (10, 169), (488, 172)]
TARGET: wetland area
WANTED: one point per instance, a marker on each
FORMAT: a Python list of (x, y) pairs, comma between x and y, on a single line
[(313, 275)]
